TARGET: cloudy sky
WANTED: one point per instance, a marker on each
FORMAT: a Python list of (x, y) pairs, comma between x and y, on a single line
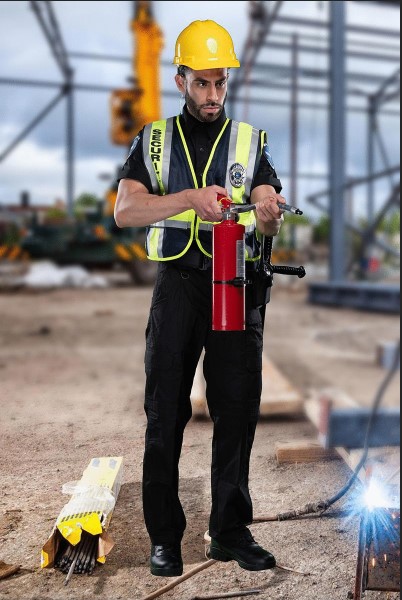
[(103, 27)]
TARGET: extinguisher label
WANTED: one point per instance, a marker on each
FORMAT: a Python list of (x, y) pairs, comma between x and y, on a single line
[(240, 259)]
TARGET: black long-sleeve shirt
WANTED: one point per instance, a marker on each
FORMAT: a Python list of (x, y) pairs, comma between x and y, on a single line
[(200, 139)]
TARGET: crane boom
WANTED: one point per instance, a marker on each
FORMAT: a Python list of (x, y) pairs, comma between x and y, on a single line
[(132, 108), (146, 61)]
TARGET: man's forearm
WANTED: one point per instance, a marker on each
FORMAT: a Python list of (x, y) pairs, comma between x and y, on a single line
[(270, 228), (266, 221), (135, 207), (139, 209)]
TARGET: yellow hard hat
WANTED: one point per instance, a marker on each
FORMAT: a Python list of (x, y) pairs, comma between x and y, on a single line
[(205, 45)]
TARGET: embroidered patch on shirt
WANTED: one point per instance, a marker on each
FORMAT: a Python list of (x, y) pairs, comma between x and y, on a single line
[(134, 145), (237, 175), (268, 156)]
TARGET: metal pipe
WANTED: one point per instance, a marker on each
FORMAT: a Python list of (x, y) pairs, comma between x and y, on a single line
[(370, 158), (356, 181), (373, 31), (294, 131), (70, 149), (32, 125), (325, 50), (337, 127)]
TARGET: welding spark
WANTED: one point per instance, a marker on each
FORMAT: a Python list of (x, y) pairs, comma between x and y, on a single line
[(376, 496)]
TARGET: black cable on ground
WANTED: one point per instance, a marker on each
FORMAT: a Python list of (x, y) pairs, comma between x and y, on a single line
[(323, 505)]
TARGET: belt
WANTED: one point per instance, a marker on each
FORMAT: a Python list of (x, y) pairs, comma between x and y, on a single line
[(193, 259)]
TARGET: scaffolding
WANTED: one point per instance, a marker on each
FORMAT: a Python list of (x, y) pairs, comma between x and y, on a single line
[(375, 93)]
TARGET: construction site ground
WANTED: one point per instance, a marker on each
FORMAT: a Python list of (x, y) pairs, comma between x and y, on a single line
[(72, 381)]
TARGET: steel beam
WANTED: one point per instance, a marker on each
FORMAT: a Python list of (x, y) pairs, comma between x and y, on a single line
[(362, 295), (325, 50), (21, 136), (346, 428), (44, 12), (316, 23), (294, 126), (310, 73), (337, 142), (70, 149)]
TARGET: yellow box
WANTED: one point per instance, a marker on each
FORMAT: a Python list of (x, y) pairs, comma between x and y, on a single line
[(90, 509)]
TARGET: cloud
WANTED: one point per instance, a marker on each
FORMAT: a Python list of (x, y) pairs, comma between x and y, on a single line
[(42, 172)]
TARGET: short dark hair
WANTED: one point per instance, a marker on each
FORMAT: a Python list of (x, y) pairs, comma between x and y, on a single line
[(182, 70)]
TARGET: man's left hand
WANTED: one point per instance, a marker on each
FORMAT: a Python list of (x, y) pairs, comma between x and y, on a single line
[(268, 214), (268, 210)]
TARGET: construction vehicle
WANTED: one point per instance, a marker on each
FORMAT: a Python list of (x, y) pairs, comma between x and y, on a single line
[(11, 232), (94, 240)]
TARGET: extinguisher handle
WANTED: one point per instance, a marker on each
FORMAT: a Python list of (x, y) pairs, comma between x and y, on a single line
[(283, 270), (242, 208)]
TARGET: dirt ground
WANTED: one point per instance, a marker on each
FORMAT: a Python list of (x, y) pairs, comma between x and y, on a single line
[(71, 372)]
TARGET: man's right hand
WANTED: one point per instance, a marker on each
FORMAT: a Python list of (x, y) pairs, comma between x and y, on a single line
[(205, 202)]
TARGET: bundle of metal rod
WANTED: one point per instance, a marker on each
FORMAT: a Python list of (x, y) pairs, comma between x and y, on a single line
[(78, 559)]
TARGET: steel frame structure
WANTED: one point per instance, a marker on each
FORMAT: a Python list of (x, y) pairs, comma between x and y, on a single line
[(45, 14), (340, 86)]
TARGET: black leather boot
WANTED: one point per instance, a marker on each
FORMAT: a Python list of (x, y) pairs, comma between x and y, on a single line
[(166, 560), (245, 551)]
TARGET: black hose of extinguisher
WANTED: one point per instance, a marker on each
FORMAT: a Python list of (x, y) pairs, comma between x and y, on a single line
[(265, 259), (267, 245)]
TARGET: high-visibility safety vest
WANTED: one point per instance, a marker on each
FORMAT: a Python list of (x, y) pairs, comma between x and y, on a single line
[(167, 159)]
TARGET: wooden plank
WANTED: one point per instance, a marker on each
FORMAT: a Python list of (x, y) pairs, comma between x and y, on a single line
[(8, 570), (198, 397), (382, 463), (303, 451), (278, 397)]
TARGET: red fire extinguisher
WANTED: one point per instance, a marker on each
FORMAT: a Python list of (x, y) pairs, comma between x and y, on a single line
[(228, 271)]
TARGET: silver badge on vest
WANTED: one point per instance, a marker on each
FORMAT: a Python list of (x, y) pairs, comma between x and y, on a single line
[(237, 175)]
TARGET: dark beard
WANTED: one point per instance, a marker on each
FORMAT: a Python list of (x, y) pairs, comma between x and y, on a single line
[(195, 111)]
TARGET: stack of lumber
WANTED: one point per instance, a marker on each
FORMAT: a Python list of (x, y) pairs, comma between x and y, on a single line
[(279, 396)]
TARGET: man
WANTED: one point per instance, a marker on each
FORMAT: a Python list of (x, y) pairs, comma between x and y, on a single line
[(170, 183)]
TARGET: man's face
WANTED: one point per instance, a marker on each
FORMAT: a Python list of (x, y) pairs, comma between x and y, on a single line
[(205, 93)]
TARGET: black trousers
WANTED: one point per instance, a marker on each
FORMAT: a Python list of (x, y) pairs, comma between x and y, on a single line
[(179, 328)]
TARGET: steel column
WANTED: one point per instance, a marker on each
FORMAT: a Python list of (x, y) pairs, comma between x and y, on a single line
[(371, 157), (70, 183), (337, 141), (294, 131)]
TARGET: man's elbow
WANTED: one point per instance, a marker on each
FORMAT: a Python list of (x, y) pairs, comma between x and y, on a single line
[(117, 219), (120, 215)]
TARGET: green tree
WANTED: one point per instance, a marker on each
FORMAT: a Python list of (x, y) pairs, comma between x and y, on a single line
[(283, 239), (55, 213), (391, 225), (85, 202), (322, 230)]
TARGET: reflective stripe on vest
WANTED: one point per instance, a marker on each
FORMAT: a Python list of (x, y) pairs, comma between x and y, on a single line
[(242, 148), (157, 148)]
